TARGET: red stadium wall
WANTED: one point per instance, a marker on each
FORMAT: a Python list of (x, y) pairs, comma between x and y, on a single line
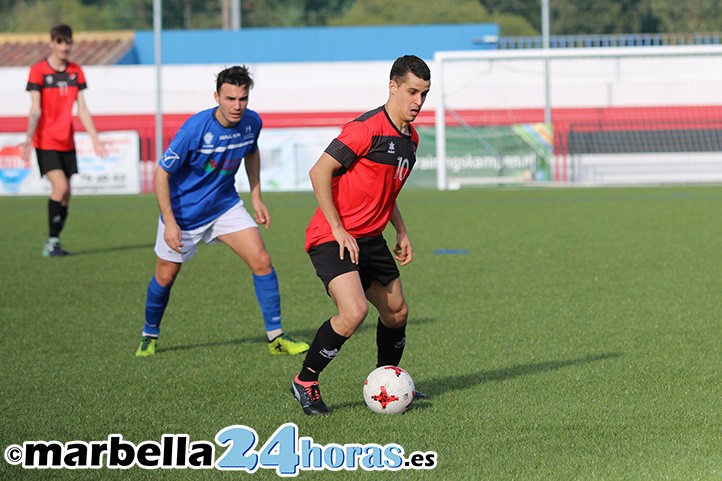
[(564, 121), (592, 119)]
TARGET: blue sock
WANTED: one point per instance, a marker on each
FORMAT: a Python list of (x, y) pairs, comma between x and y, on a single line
[(155, 304), (269, 299)]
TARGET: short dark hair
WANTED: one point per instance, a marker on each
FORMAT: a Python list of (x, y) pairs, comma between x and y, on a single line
[(409, 63), (238, 75), (61, 32)]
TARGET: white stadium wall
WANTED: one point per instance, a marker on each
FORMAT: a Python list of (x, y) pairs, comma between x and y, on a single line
[(306, 87), (359, 86)]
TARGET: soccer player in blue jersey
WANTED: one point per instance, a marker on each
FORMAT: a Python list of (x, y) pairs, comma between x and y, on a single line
[(195, 189)]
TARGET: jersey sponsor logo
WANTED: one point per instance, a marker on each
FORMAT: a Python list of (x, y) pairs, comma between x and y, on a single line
[(230, 136), (169, 158), (223, 148), (224, 167)]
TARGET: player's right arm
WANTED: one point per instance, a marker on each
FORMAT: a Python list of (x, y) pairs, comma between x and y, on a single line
[(403, 251), (321, 175), (33, 119), (172, 232)]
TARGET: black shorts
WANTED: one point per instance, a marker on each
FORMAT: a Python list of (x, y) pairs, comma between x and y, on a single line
[(54, 159), (375, 262)]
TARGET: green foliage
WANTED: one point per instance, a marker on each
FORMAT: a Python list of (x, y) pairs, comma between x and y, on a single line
[(528, 9), (411, 12), (513, 25), (515, 17), (282, 13), (630, 16), (24, 16), (577, 339), (572, 17), (195, 14)]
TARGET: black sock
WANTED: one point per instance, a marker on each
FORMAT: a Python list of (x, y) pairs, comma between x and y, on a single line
[(56, 217), (390, 343), (324, 348), (63, 214)]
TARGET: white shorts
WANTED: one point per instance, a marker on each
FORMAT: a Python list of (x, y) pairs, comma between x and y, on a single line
[(233, 220)]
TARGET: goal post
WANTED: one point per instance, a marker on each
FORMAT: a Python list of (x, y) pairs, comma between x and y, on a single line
[(618, 115)]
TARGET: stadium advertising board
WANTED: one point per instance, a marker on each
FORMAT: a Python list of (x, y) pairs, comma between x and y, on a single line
[(486, 155), (119, 173), (286, 157)]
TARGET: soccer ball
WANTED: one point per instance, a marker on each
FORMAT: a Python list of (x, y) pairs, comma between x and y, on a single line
[(389, 390)]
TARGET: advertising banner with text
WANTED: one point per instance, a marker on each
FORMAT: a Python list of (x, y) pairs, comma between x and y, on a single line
[(118, 173)]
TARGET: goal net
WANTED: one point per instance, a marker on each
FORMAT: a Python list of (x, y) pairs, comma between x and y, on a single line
[(626, 115)]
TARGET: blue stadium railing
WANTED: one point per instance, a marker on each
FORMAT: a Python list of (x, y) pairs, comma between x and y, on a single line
[(623, 40)]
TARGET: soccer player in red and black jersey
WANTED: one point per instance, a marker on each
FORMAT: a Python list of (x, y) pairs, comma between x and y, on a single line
[(356, 182), (54, 85)]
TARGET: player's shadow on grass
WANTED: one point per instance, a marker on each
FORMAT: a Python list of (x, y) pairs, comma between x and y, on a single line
[(210, 344), (298, 334), (439, 386), (372, 320), (454, 383), (105, 250)]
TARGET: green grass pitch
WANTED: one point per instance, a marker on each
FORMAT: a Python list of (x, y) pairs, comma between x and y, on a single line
[(578, 338)]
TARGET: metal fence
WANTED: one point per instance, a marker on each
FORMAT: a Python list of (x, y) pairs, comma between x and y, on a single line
[(622, 40)]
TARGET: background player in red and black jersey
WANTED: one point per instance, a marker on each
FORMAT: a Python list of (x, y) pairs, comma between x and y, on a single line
[(55, 84), (356, 182)]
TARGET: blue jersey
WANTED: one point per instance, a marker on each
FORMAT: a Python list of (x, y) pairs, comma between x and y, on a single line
[(203, 159)]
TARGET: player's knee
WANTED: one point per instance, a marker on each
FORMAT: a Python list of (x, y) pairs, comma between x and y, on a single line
[(403, 313), (61, 192), (165, 278), (397, 316), (354, 314), (261, 264)]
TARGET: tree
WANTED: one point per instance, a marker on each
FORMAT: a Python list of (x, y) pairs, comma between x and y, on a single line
[(412, 12), (572, 17), (692, 16), (602, 17), (24, 17), (527, 9), (284, 13), (514, 17)]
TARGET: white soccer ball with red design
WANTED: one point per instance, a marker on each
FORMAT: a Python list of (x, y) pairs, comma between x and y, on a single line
[(389, 390)]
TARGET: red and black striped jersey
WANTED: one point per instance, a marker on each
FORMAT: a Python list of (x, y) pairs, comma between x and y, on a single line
[(58, 92), (376, 160)]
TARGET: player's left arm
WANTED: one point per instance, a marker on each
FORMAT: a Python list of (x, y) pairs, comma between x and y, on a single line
[(403, 251), (252, 162), (87, 121)]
